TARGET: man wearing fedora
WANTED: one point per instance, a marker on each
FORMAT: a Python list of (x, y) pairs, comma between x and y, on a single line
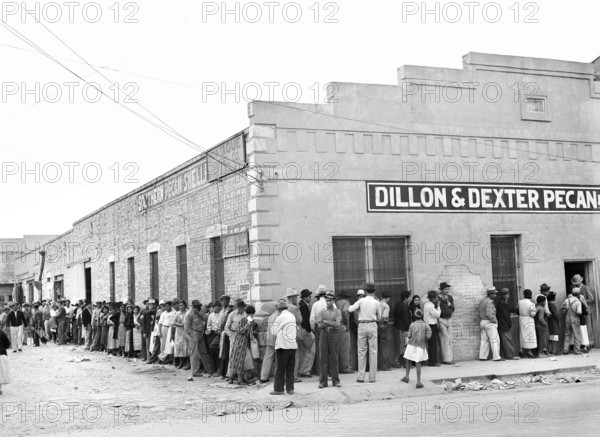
[(306, 345), (370, 314), (329, 321), (489, 327), (586, 293), (292, 300), (284, 331), (317, 306), (343, 304), (446, 311)]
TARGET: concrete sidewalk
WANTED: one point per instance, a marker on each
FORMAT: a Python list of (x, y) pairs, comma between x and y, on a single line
[(389, 386)]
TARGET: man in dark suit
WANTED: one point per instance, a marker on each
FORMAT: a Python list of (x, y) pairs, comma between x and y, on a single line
[(17, 322)]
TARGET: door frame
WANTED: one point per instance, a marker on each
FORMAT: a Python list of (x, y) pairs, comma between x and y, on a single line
[(592, 279)]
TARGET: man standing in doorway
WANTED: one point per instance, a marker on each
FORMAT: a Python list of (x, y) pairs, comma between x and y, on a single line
[(489, 327), (284, 331), (370, 314), (446, 310), (586, 292)]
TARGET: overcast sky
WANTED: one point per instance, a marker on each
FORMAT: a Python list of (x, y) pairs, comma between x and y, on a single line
[(174, 56)]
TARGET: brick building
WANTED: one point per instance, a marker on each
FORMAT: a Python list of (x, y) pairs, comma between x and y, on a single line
[(481, 176)]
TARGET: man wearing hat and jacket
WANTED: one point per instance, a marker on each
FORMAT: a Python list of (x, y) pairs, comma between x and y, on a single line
[(489, 327), (505, 325), (370, 314), (588, 295), (284, 331), (329, 321), (446, 310), (342, 304), (306, 344)]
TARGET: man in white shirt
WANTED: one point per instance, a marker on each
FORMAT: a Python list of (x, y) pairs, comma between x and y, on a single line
[(316, 308), (284, 331), (164, 322), (370, 314), (431, 314)]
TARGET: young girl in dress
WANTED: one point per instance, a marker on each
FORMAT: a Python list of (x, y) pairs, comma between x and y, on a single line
[(4, 365), (416, 350)]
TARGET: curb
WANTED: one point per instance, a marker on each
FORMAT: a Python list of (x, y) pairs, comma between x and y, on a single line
[(492, 376)]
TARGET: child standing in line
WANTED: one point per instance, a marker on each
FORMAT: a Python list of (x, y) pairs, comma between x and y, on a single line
[(416, 350)]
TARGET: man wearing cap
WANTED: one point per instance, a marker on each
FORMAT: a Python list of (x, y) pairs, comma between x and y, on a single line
[(317, 306), (446, 310), (329, 321), (292, 301), (572, 308), (489, 327), (342, 304), (306, 346), (284, 331), (544, 291), (370, 314), (507, 349), (587, 294), (193, 327)]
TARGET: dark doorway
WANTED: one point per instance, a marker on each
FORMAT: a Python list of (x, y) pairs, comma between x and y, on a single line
[(58, 289), (88, 284), (585, 269), (572, 269), (217, 268)]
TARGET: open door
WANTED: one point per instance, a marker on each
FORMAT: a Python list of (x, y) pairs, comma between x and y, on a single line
[(587, 271)]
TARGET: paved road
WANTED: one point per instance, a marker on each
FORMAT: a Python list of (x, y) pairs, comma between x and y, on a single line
[(567, 409)]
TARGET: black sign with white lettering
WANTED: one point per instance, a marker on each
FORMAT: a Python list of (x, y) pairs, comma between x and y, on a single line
[(492, 198)]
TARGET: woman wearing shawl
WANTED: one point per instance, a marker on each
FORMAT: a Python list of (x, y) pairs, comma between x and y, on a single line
[(129, 325), (113, 331), (242, 363)]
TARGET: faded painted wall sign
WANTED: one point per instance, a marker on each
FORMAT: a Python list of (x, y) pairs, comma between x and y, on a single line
[(175, 186), (481, 198), (227, 157)]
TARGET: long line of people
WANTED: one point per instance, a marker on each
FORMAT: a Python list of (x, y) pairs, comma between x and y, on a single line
[(302, 335)]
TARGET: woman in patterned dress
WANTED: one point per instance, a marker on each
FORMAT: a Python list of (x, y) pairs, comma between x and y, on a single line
[(242, 363), (182, 348)]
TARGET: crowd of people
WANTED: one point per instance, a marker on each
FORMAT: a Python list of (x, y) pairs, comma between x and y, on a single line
[(301, 335)]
